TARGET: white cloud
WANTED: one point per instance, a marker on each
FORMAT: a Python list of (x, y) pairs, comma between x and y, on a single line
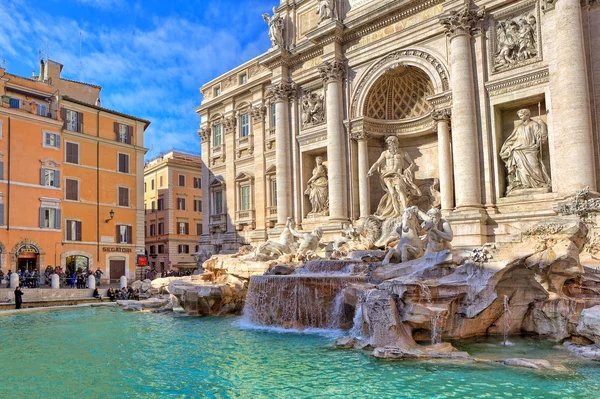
[(152, 70)]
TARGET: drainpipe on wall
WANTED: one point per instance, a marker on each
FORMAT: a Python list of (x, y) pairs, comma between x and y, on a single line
[(8, 181), (98, 188)]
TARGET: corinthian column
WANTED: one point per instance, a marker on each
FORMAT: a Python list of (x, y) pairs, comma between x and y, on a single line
[(364, 200), (572, 139), (280, 94), (442, 118), (459, 25), (332, 73)]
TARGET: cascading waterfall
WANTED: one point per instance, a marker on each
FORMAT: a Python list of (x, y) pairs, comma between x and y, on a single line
[(436, 318), (297, 301), (506, 316), (436, 330)]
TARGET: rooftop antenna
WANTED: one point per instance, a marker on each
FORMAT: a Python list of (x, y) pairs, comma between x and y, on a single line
[(3, 63), (80, 63)]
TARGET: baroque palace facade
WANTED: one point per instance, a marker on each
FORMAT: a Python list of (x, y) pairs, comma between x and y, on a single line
[(486, 109), (71, 177)]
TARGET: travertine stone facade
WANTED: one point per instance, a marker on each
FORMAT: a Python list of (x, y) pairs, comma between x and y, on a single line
[(447, 79)]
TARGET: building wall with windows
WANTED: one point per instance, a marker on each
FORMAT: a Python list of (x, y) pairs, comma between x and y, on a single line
[(67, 160), (173, 204)]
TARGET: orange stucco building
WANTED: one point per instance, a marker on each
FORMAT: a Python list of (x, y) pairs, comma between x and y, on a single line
[(173, 203), (71, 177)]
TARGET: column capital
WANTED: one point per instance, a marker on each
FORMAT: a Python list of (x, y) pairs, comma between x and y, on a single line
[(440, 115), (462, 22), (331, 71), (258, 113), (281, 92), (204, 133), (360, 136), (229, 123)]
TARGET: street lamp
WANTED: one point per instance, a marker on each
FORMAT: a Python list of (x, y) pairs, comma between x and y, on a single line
[(112, 215)]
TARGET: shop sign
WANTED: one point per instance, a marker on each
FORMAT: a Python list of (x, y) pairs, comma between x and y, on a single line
[(27, 249), (116, 249), (142, 260)]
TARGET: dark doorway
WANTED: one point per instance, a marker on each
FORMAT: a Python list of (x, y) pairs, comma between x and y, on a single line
[(117, 269), (27, 263), (77, 263)]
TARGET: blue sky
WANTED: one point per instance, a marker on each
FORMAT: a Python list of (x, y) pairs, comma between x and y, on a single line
[(149, 56)]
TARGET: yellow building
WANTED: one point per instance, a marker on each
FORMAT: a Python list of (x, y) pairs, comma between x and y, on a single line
[(71, 175), (173, 203)]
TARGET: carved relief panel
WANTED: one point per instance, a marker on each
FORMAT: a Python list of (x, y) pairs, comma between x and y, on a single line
[(313, 108), (515, 37)]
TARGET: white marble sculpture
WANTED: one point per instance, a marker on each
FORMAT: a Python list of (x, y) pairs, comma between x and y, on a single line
[(275, 27), (317, 189), (325, 9), (396, 170), (274, 249), (411, 245), (309, 242), (522, 154), (439, 232)]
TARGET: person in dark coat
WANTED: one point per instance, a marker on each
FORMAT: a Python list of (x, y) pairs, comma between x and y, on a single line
[(18, 297)]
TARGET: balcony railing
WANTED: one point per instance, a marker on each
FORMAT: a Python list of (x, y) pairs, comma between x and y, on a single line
[(244, 216), (32, 107)]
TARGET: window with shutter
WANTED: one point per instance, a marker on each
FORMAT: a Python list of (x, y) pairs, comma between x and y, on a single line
[(72, 150), (73, 123), (72, 190), (1, 214), (129, 234), (245, 206), (245, 125), (1, 170), (218, 202), (199, 229), (152, 230), (187, 229), (161, 228), (182, 180), (217, 138), (160, 179), (161, 204), (123, 196), (124, 163)]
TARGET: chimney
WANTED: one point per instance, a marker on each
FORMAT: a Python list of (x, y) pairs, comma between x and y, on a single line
[(42, 76), (98, 102)]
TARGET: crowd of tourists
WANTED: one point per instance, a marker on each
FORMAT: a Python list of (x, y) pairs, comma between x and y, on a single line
[(173, 273), (127, 293), (75, 279)]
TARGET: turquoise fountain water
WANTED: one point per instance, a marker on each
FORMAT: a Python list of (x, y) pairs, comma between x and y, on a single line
[(96, 352)]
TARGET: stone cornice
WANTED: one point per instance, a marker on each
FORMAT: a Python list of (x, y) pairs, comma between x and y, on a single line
[(518, 82), (331, 70), (462, 22)]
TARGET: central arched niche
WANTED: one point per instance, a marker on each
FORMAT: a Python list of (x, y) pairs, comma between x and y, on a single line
[(400, 94), (397, 103)]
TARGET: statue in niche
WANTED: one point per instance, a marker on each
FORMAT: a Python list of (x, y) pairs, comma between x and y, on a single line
[(275, 27), (396, 169), (522, 154), (313, 111), (318, 189), (325, 9), (516, 40)]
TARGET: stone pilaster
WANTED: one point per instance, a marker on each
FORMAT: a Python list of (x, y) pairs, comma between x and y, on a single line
[(572, 135), (442, 118), (332, 72), (364, 198), (258, 114), (280, 94), (459, 26), (205, 135)]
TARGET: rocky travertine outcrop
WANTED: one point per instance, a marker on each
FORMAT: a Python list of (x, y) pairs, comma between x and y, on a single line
[(588, 325)]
